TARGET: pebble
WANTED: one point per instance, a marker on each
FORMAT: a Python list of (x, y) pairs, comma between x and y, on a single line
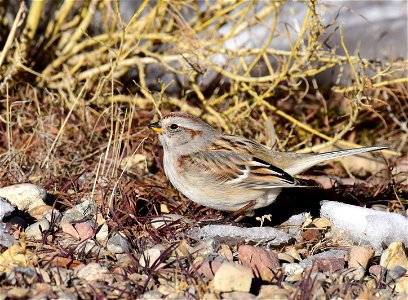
[(210, 265), (102, 234), (394, 256), (210, 295), (67, 294), (25, 196), (293, 271), (356, 273), (80, 212), (5, 208), (311, 235), (308, 262), (40, 211), (85, 230), (395, 273), (231, 235), (226, 252), (210, 246), (317, 276), (232, 277), (360, 256), (322, 223), (262, 262), (52, 215), (152, 295), (150, 256), (294, 223), (60, 276), (329, 264), (117, 244), (18, 293), (286, 257), (93, 272), (377, 271), (41, 291), (272, 292), (165, 219), (238, 296), (70, 230), (90, 247), (35, 230), (401, 286)]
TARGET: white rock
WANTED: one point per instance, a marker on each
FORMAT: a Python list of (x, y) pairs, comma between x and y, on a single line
[(152, 295), (165, 219), (150, 256), (292, 269), (364, 225), (25, 196), (232, 277), (35, 230), (102, 235), (93, 272)]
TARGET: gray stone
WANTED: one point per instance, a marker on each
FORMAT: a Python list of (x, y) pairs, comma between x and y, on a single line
[(228, 234), (308, 262), (117, 244), (395, 273), (5, 208), (80, 212), (52, 215)]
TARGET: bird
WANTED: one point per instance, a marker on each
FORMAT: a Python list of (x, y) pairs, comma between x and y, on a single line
[(229, 172)]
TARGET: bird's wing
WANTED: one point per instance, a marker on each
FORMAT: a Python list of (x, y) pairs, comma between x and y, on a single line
[(227, 164)]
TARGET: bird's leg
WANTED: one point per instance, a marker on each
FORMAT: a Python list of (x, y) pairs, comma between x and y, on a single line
[(242, 212)]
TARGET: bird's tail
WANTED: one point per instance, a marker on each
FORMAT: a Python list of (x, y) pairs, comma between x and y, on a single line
[(310, 160)]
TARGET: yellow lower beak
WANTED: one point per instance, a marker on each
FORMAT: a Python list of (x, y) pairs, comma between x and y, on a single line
[(156, 127), (158, 130)]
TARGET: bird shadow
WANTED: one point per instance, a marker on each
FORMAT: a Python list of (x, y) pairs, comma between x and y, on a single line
[(293, 201)]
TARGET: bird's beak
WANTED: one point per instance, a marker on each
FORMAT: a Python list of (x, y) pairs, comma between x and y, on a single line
[(156, 127)]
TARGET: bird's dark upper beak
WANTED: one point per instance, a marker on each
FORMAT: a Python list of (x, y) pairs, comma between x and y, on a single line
[(156, 127)]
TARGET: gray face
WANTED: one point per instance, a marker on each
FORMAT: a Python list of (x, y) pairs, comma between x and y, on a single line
[(183, 134)]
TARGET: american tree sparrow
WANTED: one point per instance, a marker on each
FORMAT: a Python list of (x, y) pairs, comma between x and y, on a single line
[(228, 172)]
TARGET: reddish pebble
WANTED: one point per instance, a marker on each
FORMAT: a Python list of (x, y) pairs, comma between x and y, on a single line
[(360, 256), (329, 264), (262, 262), (209, 266), (85, 230), (69, 229)]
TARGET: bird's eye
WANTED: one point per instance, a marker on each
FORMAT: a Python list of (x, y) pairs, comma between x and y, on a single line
[(173, 126)]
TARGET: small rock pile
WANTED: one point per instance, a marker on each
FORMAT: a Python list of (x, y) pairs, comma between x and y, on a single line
[(77, 253)]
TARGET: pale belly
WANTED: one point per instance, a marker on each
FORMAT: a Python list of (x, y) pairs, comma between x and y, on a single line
[(218, 195)]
